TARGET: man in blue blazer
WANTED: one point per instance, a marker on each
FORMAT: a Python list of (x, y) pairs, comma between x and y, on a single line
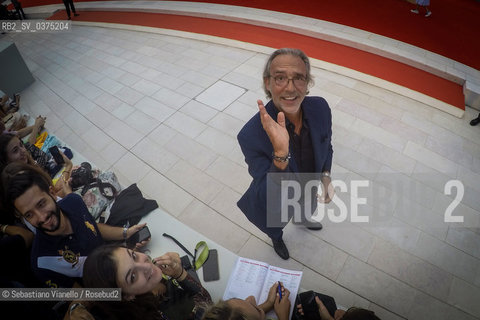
[(290, 135)]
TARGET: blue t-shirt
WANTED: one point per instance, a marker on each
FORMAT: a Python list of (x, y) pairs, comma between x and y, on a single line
[(57, 261)]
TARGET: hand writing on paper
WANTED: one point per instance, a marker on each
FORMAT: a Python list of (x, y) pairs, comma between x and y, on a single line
[(267, 306), (282, 307)]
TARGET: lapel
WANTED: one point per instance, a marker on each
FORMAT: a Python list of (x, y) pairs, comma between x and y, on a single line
[(315, 125)]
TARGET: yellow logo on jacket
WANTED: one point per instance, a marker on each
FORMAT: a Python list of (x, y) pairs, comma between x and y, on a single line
[(91, 227), (69, 256)]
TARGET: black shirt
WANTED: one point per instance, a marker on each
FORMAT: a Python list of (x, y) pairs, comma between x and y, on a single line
[(302, 147)]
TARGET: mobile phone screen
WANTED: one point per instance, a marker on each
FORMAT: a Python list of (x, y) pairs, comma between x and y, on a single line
[(139, 236), (56, 155), (210, 267)]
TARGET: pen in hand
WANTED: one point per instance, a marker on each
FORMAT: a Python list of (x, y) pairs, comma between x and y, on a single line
[(279, 290)]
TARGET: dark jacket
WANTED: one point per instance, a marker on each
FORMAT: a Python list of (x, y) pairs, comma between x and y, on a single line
[(257, 149)]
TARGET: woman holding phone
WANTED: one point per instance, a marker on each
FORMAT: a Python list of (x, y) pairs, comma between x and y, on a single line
[(13, 149)]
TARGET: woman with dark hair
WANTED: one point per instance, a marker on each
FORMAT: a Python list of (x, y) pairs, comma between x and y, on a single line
[(13, 149), (157, 288)]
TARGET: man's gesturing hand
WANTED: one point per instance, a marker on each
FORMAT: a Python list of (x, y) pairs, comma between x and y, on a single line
[(276, 130)]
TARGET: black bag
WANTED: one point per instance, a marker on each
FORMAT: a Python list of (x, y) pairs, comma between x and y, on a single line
[(130, 207), (310, 307)]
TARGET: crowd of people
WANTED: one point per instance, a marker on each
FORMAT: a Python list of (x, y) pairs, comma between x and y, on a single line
[(56, 242)]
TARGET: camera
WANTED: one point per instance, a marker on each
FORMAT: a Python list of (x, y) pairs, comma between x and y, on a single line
[(82, 175)]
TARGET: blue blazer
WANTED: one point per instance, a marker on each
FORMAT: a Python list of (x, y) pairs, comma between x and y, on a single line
[(257, 149)]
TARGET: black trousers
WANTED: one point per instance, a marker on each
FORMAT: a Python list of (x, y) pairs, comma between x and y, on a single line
[(69, 4), (20, 13)]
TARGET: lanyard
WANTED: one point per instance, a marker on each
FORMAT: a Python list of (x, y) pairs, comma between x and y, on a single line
[(202, 257)]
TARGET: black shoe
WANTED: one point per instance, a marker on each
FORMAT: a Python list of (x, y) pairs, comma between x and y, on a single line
[(313, 225), (69, 18), (475, 121), (76, 14), (281, 249)]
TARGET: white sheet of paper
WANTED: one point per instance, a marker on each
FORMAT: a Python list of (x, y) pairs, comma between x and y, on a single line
[(255, 278), (290, 280), (246, 279)]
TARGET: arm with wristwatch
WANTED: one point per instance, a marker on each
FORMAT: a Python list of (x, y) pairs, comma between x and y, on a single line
[(119, 233), (327, 188)]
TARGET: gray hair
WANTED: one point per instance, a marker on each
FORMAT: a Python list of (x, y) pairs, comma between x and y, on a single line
[(284, 51)]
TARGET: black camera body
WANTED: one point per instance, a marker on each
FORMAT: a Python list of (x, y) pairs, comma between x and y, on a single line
[(81, 176)]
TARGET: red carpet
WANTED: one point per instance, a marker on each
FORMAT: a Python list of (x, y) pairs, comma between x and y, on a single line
[(452, 30), (362, 61)]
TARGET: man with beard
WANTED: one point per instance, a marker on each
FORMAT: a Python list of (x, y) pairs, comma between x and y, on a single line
[(65, 231)]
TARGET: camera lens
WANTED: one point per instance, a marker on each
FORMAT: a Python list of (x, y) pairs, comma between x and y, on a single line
[(86, 165)]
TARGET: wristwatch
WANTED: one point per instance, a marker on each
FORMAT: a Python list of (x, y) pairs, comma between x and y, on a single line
[(125, 229), (73, 307), (281, 159), (325, 174)]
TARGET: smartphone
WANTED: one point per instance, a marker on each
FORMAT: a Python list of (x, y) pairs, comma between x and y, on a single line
[(187, 265), (139, 236), (210, 267), (56, 155)]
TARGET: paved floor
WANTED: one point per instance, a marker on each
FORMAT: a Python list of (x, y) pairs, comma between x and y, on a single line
[(164, 111), (383, 46)]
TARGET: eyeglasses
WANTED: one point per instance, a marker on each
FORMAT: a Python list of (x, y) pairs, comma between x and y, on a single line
[(299, 81)]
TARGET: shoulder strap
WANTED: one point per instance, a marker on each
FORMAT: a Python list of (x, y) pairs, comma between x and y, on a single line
[(179, 244), (101, 186)]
